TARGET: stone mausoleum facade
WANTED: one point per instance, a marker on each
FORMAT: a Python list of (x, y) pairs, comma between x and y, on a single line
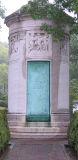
[(38, 80)]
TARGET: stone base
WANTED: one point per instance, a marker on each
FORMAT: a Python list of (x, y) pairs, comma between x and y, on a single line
[(57, 128)]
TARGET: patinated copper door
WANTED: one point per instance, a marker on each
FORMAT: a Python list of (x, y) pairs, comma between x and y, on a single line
[(38, 91)]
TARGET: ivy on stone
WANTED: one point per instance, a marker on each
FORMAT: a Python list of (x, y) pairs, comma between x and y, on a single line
[(39, 9)]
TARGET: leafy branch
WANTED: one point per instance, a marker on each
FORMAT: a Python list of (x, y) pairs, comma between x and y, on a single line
[(39, 9)]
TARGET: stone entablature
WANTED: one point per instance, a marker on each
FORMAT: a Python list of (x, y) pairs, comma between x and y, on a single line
[(35, 45)]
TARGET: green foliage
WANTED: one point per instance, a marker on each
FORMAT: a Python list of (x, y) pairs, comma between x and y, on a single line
[(3, 75), (4, 99), (34, 9), (54, 31), (71, 6), (73, 92), (5, 44), (74, 29), (74, 57), (4, 130), (73, 132), (74, 48), (38, 9), (2, 11), (73, 69), (3, 54)]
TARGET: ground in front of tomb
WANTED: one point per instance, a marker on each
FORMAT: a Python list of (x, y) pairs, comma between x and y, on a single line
[(36, 149)]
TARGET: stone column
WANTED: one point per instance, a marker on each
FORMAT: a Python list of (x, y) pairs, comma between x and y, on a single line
[(17, 76), (63, 85)]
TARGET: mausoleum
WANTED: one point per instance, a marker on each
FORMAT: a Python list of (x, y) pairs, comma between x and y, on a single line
[(38, 79)]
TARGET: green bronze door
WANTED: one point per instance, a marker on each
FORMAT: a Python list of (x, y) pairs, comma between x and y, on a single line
[(38, 91)]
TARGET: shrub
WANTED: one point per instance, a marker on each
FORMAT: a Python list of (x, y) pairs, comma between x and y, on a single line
[(4, 99), (73, 132), (4, 130)]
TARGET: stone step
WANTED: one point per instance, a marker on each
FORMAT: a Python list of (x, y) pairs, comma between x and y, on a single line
[(38, 124), (38, 129), (38, 135), (15, 123)]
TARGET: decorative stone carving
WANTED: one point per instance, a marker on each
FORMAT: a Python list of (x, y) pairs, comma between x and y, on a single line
[(14, 41), (14, 46), (38, 44)]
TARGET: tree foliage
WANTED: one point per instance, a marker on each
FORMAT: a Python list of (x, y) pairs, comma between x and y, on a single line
[(74, 48), (4, 130), (2, 11), (73, 69), (3, 75), (4, 99), (70, 6), (74, 57), (3, 53), (39, 9), (73, 92), (73, 132)]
